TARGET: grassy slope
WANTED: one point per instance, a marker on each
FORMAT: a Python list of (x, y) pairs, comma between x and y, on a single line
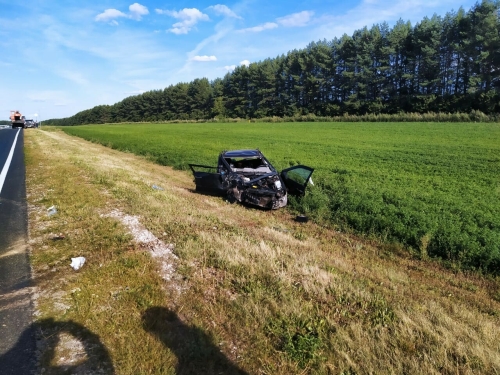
[(432, 186), (253, 291)]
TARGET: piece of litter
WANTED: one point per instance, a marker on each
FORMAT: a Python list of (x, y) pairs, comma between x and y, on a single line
[(157, 187), (301, 218), (51, 210), (78, 262)]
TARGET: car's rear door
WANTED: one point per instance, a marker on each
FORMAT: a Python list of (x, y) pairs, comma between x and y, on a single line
[(296, 179), (207, 179)]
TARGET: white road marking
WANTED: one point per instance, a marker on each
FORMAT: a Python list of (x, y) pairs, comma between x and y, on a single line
[(5, 168)]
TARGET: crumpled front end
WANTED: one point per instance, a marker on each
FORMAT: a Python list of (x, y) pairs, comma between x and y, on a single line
[(267, 192)]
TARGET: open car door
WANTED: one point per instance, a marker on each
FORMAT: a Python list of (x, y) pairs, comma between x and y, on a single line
[(207, 179), (296, 179)]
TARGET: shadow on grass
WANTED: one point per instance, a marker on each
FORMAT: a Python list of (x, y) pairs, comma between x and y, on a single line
[(195, 351), (87, 353)]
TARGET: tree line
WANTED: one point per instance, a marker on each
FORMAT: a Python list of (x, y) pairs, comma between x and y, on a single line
[(447, 64)]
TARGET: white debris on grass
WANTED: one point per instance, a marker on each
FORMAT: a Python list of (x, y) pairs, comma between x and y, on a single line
[(77, 263), (158, 249), (52, 210)]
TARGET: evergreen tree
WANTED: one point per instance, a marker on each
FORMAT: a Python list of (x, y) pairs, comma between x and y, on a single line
[(199, 99)]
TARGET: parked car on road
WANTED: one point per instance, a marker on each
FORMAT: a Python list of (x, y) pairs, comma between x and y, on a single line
[(248, 177), (29, 123)]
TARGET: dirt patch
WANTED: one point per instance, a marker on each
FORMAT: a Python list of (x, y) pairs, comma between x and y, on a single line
[(159, 250)]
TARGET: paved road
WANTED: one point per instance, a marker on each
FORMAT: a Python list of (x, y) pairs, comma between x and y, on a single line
[(17, 342)]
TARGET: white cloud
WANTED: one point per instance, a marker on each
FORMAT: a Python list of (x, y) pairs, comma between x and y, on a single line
[(188, 17), (109, 14), (296, 19), (258, 29), (230, 68), (223, 10), (179, 29), (204, 58), (137, 11)]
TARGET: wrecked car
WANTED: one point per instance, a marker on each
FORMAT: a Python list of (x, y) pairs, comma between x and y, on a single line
[(246, 176)]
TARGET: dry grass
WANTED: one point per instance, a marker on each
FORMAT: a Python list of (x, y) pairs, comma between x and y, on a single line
[(250, 291)]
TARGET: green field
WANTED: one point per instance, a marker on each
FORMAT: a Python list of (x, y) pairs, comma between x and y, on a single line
[(433, 187)]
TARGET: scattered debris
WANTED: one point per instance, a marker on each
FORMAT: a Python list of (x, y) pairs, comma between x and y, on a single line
[(51, 210), (156, 187), (301, 219), (58, 237), (77, 263)]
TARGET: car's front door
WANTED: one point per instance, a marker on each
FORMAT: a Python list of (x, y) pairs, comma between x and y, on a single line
[(206, 179), (296, 179)]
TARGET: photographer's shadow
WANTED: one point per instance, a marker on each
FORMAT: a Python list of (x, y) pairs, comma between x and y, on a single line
[(93, 357), (195, 351)]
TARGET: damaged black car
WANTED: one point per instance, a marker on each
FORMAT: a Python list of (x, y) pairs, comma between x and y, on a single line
[(248, 177)]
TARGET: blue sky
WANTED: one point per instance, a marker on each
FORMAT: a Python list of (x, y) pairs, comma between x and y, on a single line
[(61, 57)]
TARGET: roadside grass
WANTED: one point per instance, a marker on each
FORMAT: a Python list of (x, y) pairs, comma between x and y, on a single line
[(252, 291), (432, 184)]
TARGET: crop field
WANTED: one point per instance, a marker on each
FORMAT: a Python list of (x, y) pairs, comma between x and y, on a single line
[(432, 187)]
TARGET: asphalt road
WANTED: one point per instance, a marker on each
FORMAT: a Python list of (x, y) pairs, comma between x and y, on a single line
[(17, 341)]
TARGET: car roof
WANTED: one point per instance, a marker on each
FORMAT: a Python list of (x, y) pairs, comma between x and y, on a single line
[(241, 153)]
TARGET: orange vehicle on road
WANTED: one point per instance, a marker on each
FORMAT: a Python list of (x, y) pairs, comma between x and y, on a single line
[(17, 119)]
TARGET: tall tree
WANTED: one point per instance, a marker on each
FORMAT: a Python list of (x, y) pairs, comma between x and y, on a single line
[(199, 99)]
